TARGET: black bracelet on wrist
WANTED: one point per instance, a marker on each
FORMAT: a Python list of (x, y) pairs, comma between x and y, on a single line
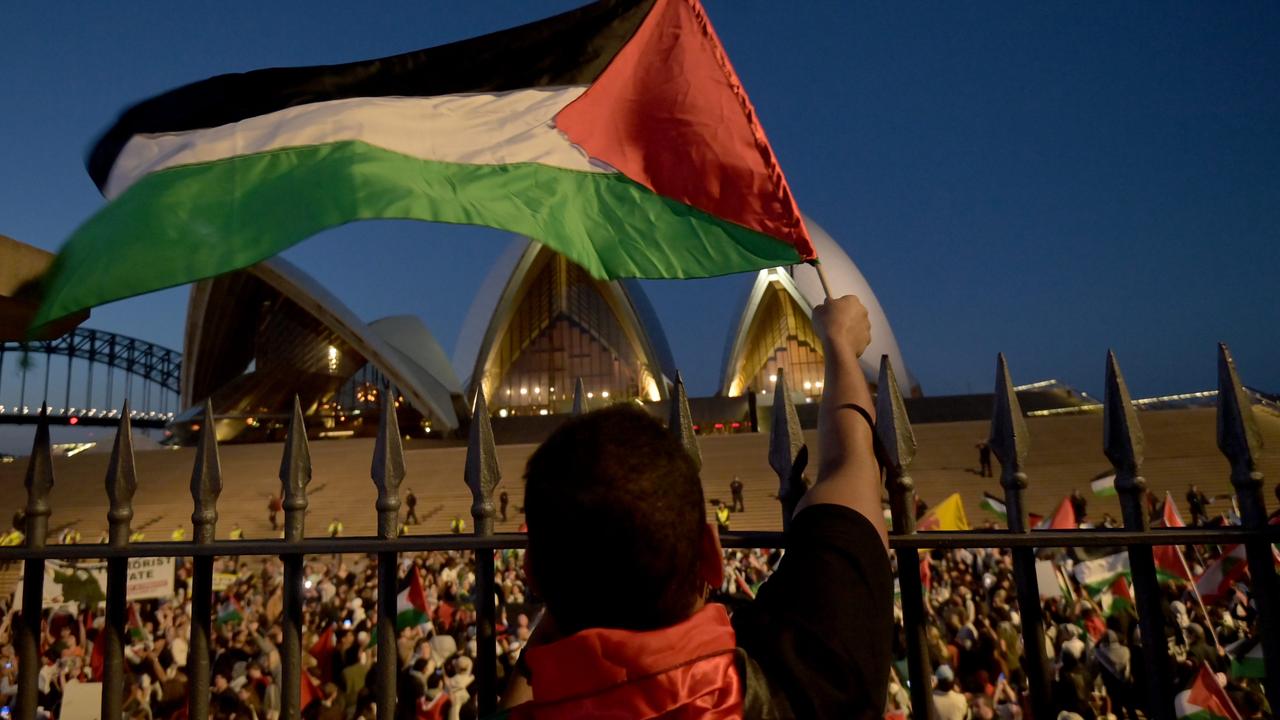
[(876, 449), (861, 411)]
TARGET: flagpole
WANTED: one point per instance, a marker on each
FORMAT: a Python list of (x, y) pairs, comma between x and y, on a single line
[(822, 278), (1208, 621)]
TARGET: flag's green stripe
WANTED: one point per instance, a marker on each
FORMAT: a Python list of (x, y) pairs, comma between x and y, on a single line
[(1248, 667), (196, 221), (409, 618)]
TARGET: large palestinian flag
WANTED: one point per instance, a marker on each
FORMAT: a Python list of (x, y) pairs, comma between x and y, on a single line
[(617, 133)]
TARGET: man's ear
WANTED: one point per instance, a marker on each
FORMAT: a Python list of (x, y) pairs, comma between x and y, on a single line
[(710, 561)]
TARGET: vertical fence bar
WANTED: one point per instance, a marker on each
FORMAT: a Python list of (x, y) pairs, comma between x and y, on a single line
[(579, 398), (295, 473), (680, 421), (387, 471), (1123, 444), (482, 476), (1009, 441), (206, 486), (1240, 441), (897, 449), (39, 482), (121, 483), (788, 454)]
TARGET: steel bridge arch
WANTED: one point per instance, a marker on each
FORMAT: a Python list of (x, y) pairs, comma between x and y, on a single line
[(147, 360)]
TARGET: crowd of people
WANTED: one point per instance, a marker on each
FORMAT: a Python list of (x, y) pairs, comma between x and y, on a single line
[(974, 638), (973, 631)]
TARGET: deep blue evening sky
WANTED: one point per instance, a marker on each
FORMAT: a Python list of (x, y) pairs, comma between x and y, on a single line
[(1047, 179)]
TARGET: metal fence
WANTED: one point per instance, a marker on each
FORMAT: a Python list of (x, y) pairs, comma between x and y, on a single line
[(1238, 439)]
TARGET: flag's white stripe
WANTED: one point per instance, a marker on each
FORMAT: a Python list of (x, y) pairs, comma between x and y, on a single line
[(480, 129)]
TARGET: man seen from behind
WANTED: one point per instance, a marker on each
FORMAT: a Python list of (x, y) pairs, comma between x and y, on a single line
[(621, 551)]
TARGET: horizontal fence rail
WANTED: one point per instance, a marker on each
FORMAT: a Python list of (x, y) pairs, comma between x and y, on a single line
[(895, 446)]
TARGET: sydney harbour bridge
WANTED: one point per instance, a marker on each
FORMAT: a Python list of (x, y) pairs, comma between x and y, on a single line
[(85, 377)]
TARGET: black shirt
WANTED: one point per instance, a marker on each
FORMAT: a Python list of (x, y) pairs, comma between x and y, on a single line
[(821, 627)]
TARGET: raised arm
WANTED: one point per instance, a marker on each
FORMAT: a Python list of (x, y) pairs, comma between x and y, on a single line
[(848, 473)]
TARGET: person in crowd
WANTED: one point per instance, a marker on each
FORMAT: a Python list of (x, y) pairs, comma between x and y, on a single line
[(411, 508), (984, 458), (1198, 502), (1079, 505), (658, 648), (274, 505), (735, 491), (723, 516), (948, 702)]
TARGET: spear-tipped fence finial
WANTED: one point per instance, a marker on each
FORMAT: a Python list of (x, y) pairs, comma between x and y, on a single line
[(897, 444), (893, 428), (680, 421), (1241, 442), (1122, 440), (1009, 438), (387, 469), (1122, 443), (579, 398), (206, 481), (39, 483), (788, 455), (482, 472), (122, 482), (1238, 436), (295, 474)]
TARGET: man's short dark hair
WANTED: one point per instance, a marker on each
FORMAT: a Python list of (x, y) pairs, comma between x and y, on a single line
[(615, 514)]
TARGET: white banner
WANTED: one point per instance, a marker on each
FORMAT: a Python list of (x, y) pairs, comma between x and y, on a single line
[(82, 700), (85, 583)]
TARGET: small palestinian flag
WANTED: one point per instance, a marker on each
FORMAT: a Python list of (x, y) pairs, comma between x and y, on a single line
[(1097, 575), (411, 603), (1246, 659), (1170, 563), (1216, 580), (1064, 518), (994, 505), (1170, 517), (1104, 485), (230, 612), (1118, 598), (618, 134), (1205, 699)]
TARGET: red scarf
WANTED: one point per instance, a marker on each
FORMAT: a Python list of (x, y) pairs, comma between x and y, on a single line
[(683, 671)]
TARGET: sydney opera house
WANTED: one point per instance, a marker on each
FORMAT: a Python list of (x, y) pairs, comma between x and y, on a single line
[(256, 338)]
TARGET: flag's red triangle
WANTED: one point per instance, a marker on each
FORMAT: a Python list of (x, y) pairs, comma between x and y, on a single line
[(1208, 694), (1064, 518), (670, 113), (322, 651), (1171, 518)]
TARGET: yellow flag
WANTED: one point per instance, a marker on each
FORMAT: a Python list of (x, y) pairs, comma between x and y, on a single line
[(946, 515)]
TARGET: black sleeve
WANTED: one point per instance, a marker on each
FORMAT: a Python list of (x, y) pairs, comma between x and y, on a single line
[(821, 627)]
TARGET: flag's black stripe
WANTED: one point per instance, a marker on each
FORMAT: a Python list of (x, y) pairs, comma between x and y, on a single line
[(568, 49)]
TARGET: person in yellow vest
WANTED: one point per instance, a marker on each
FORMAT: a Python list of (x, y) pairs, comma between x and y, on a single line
[(70, 536), (335, 528), (237, 533), (137, 536), (404, 529), (12, 538), (457, 525), (102, 538), (179, 534), (722, 516)]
